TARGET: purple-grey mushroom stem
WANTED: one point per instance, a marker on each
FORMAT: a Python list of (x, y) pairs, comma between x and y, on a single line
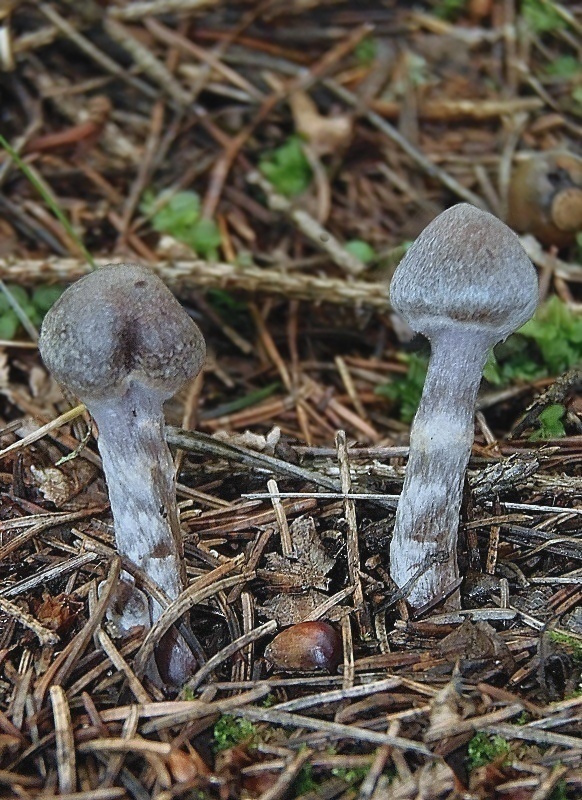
[(142, 490), (425, 534)]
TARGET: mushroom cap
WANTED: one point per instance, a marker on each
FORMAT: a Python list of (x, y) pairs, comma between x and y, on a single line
[(466, 269), (119, 325), (545, 197), (567, 209)]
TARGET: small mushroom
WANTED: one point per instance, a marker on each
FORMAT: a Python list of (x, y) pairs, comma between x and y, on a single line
[(120, 341), (466, 284), (545, 197)]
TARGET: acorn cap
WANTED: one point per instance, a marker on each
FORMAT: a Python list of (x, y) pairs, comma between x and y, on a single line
[(467, 269), (118, 325)]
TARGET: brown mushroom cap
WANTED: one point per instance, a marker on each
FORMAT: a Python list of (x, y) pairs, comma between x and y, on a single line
[(545, 197), (567, 209), (466, 269), (118, 325)]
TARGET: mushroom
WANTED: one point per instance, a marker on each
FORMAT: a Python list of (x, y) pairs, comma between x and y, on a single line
[(466, 284), (545, 197), (121, 342)]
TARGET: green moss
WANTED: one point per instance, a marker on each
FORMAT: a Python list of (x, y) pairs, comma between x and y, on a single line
[(483, 749), (229, 731), (353, 776), (573, 643), (566, 66), (557, 332), (449, 9), (560, 791), (305, 781), (550, 423), (366, 51), (269, 700)]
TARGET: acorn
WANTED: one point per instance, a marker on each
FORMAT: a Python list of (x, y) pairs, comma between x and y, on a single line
[(306, 647), (545, 197)]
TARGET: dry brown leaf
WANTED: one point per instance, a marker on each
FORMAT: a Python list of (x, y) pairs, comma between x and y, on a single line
[(477, 641), (448, 707), (251, 441), (288, 609), (325, 134), (311, 562), (53, 484), (433, 781), (57, 613), (186, 766)]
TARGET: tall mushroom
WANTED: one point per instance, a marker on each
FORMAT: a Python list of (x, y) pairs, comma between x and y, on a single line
[(466, 284), (120, 341)]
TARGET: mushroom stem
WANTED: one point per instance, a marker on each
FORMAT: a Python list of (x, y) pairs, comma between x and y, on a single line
[(427, 517), (140, 477)]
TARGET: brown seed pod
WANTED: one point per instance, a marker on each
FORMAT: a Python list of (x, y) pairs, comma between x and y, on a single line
[(306, 646), (545, 197)]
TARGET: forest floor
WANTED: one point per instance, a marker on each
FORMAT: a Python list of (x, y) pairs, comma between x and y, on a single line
[(272, 161)]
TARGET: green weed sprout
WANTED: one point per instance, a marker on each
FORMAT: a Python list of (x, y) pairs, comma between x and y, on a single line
[(181, 218), (366, 51), (33, 307), (361, 249), (542, 16), (550, 423), (287, 168)]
